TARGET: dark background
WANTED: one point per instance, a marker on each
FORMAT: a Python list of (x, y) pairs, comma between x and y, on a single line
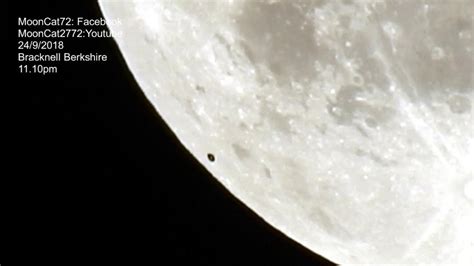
[(98, 171)]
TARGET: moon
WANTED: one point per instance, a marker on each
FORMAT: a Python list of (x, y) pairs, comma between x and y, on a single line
[(347, 125)]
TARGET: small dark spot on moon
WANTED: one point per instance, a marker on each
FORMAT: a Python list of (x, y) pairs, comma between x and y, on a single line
[(268, 174), (240, 151), (371, 122), (459, 104), (211, 157), (200, 88), (357, 80)]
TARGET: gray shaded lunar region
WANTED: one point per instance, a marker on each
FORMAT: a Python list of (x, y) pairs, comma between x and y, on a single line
[(347, 125)]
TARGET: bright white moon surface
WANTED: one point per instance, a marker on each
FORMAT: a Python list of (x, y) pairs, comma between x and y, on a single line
[(346, 124)]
